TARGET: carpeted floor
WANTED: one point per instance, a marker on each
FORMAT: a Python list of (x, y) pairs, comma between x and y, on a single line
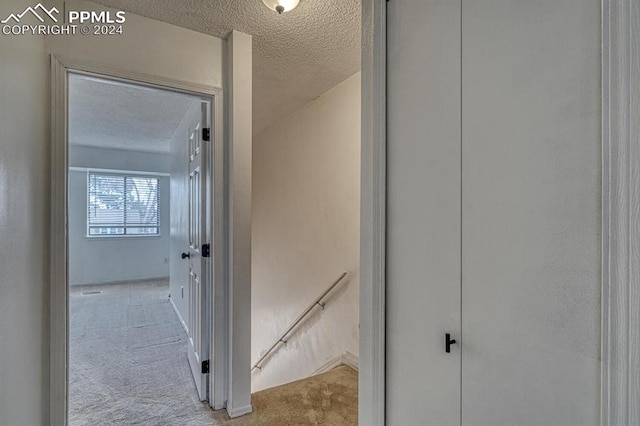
[(328, 399), (128, 366), (128, 360)]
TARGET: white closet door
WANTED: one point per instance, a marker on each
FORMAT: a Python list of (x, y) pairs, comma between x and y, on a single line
[(531, 212), (423, 212)]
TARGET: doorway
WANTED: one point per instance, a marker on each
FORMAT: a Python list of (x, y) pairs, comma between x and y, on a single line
[(139, 236)]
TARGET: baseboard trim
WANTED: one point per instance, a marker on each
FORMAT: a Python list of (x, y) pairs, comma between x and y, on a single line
[(240, 411), (347, 358), (175, 308)]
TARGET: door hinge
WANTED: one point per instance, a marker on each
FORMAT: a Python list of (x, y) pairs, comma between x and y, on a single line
[(206, 250), (205, 367), (206, 134)]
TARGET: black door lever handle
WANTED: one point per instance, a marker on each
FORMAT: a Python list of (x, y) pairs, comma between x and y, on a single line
[(185, 255), (448, 341)]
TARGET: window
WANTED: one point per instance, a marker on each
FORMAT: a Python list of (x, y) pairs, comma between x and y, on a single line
[(122, 205)]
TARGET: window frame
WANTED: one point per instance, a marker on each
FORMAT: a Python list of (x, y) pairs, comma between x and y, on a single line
[(126, 175)]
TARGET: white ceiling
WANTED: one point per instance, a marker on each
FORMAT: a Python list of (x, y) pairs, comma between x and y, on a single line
[(297, 56), (110, 114)]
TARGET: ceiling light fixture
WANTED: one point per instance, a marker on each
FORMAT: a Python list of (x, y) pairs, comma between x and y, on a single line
[(281, 6)]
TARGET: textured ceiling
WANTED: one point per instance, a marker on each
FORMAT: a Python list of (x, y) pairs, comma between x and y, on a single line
[(111, 114), (297, 56)]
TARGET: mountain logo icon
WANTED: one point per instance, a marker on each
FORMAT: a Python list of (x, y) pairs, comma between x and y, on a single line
[(34, 11)]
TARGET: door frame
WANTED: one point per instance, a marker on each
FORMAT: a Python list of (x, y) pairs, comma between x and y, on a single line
[(620, 365), (58, 288), (371, 365)]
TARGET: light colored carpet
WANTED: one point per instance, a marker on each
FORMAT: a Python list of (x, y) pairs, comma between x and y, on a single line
[(128, 366), (127, 359), (329, 399)]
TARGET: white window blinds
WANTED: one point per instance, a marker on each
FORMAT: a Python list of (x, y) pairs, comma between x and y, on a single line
[(122, 205)]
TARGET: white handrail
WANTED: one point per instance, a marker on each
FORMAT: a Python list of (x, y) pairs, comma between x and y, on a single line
[(282, 338)]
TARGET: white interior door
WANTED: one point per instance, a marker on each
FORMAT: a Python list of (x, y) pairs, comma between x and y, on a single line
[(198, 276), (531, 212), (423, 212)]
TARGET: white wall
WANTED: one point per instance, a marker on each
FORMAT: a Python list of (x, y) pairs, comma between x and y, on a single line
[(146, 46), (86, 156), (306, 208), (24, 216), (95, 260)]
